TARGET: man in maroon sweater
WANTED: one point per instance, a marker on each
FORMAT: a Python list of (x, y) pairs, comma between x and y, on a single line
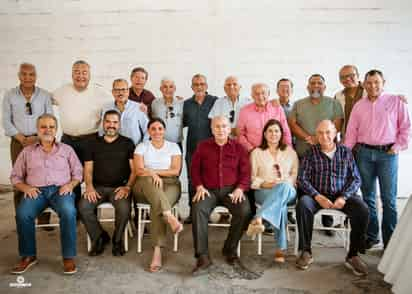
[(220, 173)]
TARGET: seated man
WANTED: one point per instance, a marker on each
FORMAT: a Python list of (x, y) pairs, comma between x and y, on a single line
[(109, 175), (46, 172), (221, 173), (329, 179)]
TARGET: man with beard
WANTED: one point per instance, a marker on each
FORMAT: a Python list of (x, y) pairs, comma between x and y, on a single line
[(109, 175)]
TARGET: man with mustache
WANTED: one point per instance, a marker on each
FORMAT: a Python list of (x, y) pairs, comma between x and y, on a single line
[(46, 172)]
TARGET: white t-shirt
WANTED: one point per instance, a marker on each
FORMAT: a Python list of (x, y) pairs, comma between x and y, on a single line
[(157, 158)]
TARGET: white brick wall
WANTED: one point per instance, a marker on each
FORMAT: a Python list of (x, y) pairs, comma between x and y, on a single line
[(179, 38)]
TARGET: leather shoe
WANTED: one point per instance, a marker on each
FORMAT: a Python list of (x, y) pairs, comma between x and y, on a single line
[(101, 242), (118, 249), (25, 263), (202, 265), (69, 267)]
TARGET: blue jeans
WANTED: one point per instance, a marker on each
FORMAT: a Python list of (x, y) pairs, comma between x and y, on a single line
[(274, 208), (29, 209), (378, 165)]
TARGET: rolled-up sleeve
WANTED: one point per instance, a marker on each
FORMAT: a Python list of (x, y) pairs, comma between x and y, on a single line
[(18, 173), (76, 169)]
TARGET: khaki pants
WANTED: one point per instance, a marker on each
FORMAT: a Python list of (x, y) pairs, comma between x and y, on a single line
[(160, 200)]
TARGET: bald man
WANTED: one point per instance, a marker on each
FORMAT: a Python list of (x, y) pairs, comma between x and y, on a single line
[(329, 179)]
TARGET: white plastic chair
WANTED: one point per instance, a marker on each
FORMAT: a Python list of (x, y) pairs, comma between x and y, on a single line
[(50, 225)]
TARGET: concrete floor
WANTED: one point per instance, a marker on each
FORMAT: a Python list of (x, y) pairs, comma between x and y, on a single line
[(108, 274)]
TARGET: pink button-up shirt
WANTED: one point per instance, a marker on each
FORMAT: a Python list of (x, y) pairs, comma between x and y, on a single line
[(382, 122), (252, 121), (39, 169)]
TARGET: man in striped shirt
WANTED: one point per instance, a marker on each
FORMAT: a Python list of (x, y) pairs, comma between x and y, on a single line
[(329, 179)]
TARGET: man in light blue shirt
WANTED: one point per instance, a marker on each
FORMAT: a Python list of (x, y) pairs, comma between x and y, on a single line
[(231, 104), (22, 106), (170, 109), (133, 121)]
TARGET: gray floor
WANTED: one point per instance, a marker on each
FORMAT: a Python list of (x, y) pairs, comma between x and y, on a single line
[(108, 274)]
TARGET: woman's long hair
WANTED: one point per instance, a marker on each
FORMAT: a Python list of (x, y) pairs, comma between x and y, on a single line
[(272, 122)]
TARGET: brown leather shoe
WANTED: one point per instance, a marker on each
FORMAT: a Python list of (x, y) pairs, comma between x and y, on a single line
[(202, 266), (25, 263), (69, 266)]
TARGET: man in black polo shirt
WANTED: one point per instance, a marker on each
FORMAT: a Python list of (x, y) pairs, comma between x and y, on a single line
[(109, 175)]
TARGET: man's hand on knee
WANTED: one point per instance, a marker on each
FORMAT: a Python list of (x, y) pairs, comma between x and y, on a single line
[(201, 193)]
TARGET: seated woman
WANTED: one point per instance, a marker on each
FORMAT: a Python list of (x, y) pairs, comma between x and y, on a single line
[(274, 172), (158, 163)]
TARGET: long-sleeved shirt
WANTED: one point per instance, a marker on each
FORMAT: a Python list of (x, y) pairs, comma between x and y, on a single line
[(133, 121), (195, 118), (38, 168), (252, 121), (15, 117), (215, 166), (263, 166), (146, 97), (384, 121), (339, 176)]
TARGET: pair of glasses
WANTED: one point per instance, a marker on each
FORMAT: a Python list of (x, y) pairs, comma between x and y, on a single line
[(232, 116), (29, 110), (276, 167), (170, 112), (344, 77)]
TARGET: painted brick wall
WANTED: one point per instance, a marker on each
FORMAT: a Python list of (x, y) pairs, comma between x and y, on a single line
[(256, 40)]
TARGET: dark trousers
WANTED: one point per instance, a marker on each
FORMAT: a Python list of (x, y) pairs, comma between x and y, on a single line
[(87, 211), (200, 214), (191, 189), (356, 210)]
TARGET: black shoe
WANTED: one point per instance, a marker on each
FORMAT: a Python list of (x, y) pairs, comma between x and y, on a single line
[(371, 243), (101, 242), (202, 266), (118, 249), (291, 219)]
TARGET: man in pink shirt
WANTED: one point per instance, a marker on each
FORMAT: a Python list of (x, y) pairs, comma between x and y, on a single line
[(379, 126), (46, 172), (253, 117)]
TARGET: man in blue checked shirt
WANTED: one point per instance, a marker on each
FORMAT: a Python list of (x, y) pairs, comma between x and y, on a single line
[(329, 179)]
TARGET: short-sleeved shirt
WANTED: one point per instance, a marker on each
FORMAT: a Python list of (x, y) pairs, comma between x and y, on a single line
[(172, 116), (111, 166), (308, 116), (157, 158)]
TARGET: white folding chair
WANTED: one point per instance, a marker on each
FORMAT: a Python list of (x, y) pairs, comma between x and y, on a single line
[(343, 227), (143, 210), (108, 205), (49, 225), (223, 210), (291, 209)]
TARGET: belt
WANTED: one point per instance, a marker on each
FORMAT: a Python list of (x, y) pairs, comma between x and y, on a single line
[(81, 137), (384, 148)]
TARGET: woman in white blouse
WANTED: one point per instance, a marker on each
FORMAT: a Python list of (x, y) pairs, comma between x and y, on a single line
[(274, 172), (158, 163)]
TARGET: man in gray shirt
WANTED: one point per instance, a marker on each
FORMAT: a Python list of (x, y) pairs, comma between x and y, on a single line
[(22, 106)]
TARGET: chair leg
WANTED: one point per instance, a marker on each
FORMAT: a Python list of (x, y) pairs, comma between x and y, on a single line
[(259, 251), (238, 249), (175, 241), (89, 243), (296, 250), (130, 229), (139, 230), (126, 239)]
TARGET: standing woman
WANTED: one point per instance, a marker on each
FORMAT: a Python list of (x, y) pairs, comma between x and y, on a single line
[(274, 172), (158, 163)]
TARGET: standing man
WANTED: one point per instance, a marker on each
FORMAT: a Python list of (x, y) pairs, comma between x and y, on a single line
[(254, 116), (22, 106), (379, 126), (138, 93), (46, 172), (221, 174), (133, 120), (196, 118), (80, 106), (284, 88), (109, 175), (231, 104), (170, 110), (329, 179)]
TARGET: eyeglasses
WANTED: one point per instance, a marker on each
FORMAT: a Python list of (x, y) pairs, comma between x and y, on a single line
[(232, 116), (169, 112), (344, 77), (117, 90), (29, 110), (277, 170)]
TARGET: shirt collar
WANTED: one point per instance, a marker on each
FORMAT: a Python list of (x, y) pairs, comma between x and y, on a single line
[(259, 109)]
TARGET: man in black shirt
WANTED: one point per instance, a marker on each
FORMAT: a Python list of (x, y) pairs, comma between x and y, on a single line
[(109, 175)]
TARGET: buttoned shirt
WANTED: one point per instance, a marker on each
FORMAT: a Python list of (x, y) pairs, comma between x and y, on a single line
[(15, 117), (196, 119), (319, 174), (224, 106), (80, 111), (38, 168), (384, 121), (133, 121), (215, 166), (172, 116), (252, 121)]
